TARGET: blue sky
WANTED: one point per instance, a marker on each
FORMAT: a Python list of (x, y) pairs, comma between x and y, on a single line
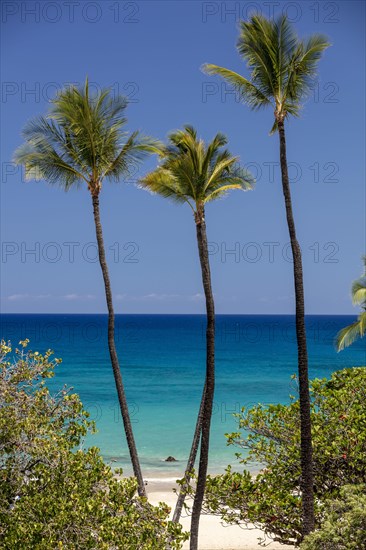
[(152, 51)]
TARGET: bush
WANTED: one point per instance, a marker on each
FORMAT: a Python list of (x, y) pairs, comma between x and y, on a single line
[(272, 500), (54, 494), (344, 523)]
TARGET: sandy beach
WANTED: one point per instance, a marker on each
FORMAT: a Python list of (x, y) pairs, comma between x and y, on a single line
[(213, 534)]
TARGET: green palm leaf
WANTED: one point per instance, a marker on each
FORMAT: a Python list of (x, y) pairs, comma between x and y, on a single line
[(356, 330), (352, 332), (247, 92), (359, 292)]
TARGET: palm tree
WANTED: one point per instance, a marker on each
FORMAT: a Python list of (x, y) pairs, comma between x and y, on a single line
[(283, 72), (82, 140), (194, 173), (356, 330)]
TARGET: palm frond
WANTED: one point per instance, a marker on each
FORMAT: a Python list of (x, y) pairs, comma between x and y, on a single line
[(286, 41), (257, 46), (352, 332), (359, 291), (274, 128), (161, 182), (133, 152), (42, 135), (247, 92), (227, 180), (349, 334), (223, 189), (222, 166), (43, 162), (302, 67)]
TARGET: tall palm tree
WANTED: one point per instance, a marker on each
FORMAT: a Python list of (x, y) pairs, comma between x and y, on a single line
[(356, 330), (194, 173), (282, 73), (82, 141)]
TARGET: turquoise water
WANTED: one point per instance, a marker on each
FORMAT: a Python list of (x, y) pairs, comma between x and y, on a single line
[(162, 359)]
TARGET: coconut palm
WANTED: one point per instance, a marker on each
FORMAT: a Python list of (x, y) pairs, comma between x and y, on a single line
[(194, 173), (282, 73), (82, 141), (356, 330)]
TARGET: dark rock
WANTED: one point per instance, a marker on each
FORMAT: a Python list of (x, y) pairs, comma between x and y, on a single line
[(170, 459)]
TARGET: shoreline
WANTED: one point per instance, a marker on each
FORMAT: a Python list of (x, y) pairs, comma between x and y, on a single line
[(161, 485), (171, 471), (165, 481)]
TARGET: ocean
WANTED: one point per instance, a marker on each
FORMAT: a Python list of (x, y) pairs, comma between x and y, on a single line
[(162, 359)]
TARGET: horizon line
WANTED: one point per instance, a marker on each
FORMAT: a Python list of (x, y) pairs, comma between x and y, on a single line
[(146, 313)]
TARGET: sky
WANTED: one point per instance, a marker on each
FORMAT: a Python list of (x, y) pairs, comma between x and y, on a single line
[(152, 51)]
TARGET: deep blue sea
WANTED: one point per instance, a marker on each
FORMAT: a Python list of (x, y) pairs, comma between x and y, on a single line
[(162, 360)]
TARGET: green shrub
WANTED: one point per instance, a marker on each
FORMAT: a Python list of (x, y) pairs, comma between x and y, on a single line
[(272, 500), (344, 523), (54, 494)]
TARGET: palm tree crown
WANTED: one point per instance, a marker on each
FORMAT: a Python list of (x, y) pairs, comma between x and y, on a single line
[(195, 173), (82, 139), (283, 67)]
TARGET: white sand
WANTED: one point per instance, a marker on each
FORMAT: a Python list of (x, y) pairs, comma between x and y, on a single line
[(212, 534)]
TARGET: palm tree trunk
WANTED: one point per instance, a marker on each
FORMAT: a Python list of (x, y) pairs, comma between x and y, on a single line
[(210, 376), (191, 461), (113, 353), (307, 484)]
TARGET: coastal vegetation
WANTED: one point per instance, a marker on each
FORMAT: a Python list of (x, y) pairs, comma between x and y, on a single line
[(343, 523), (82, 141), (53, 492), (195, 174), (283, 70), (271, 439)]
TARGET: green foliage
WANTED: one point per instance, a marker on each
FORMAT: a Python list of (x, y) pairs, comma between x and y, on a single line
[(82, 139), (283, 67), (272, 499), (356, 330), (54, 494), (344, 523), (194, 172)]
